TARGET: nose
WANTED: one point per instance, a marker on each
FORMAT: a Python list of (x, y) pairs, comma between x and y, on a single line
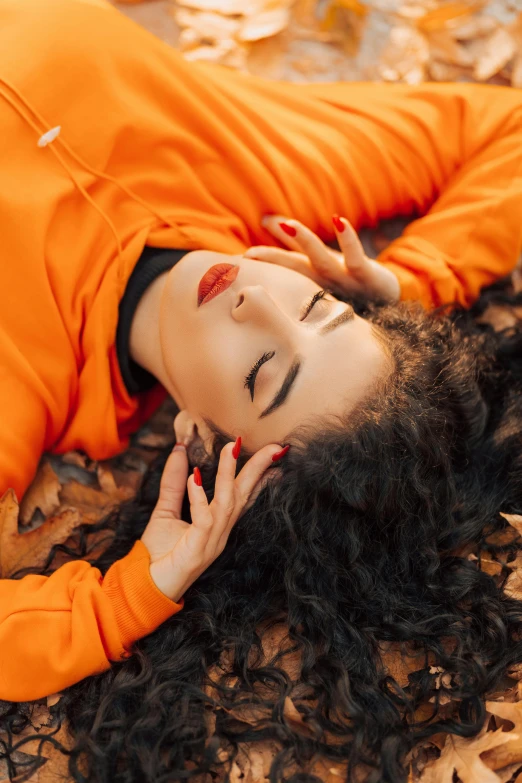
[(254, 303)]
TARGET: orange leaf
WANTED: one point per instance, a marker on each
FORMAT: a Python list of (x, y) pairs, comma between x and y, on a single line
[(439, 17), (462, 755), (510, 752), (30, 549), (513, 586), (498, 51), (43, 494), (515, 520)]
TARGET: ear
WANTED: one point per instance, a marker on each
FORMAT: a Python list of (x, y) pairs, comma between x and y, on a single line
[(193, 431)]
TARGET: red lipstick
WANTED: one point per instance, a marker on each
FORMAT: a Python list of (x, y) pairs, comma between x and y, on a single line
[(216, 280)]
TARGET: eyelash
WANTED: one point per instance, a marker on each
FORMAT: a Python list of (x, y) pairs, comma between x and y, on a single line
[(250, 378)]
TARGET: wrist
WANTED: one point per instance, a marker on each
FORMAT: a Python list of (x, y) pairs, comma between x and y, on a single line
[(172, 585)]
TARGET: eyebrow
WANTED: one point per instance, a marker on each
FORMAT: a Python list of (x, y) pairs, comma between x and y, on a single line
[(293, 372)]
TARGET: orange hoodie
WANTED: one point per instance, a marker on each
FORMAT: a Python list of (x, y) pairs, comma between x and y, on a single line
[(111, 141)]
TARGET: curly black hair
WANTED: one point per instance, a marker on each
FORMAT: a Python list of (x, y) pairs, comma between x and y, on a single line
[(362, 541)]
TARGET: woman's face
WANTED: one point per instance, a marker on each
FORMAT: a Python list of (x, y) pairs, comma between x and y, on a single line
[(307, 364)]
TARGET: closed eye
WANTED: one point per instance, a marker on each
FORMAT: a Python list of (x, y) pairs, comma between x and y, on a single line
[(250, 379)]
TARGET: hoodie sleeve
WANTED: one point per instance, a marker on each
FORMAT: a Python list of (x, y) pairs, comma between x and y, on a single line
[(461, 155), (56, 630)]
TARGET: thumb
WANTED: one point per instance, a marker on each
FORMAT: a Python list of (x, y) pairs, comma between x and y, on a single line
[(173, 483)]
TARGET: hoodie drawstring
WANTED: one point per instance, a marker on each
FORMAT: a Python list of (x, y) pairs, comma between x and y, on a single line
[(53, 135)]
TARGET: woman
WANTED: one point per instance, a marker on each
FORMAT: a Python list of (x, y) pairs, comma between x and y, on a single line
[(191, 158)]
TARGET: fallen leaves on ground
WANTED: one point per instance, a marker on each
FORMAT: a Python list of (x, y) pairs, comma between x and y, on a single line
[(407, 41)]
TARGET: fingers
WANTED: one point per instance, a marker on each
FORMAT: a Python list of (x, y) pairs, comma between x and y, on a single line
[(298, 262), (355, 259), (272, 223), (201, 516), (253, 471), (213, 522), (324, 261), (173, 483)]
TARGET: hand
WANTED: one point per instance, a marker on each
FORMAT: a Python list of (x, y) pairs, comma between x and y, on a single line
[(349, 272), (179, 551)]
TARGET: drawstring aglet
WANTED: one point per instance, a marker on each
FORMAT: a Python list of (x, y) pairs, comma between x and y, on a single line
[(46, 139)]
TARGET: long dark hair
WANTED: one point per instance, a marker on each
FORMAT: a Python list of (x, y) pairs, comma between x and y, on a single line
[(362, 541)]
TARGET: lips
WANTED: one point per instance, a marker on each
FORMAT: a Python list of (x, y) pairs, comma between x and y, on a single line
[(216, 280)]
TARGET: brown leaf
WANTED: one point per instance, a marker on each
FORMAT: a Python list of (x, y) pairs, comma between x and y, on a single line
[(497, 52), (293, 716), (397, 664), (43, 493), (488, 565), (92, 503), (516, 74), (53, 699), (510, 752), (227, 7), (75, 458), (515, 520), (505, 774), (438, 18), (156, 440), (405, 57), (475, 27), (513, 586), (463, 756), (30, 549), (444, 48), (264, 25)]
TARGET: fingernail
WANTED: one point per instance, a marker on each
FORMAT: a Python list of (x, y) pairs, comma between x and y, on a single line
[(197, 477), (237, 448), (280, 454), (338, 223), (290, 230), (179, 447)]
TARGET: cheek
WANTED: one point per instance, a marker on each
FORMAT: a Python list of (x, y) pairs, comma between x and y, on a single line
[(208, 367)]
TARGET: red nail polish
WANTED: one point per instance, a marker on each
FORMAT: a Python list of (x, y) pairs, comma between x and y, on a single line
[(197, 477), (338, 223), (237, 448), (280, 454), (290, 230)]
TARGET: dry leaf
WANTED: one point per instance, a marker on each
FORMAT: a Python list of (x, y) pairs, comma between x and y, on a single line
[(498, 51), (443, 72), (444, 48), (75, 458), (398, 665), (264, 25), (201, 27), (30, 549), (516, 74), (438, 18), (506, 773), (462, 755), (227, 7), (294, 717), (53, 699), (510, 752), (476, 27), (406, 56), (515, 520), (513, 586), (92, 503), (43, 493), (487, 564)]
